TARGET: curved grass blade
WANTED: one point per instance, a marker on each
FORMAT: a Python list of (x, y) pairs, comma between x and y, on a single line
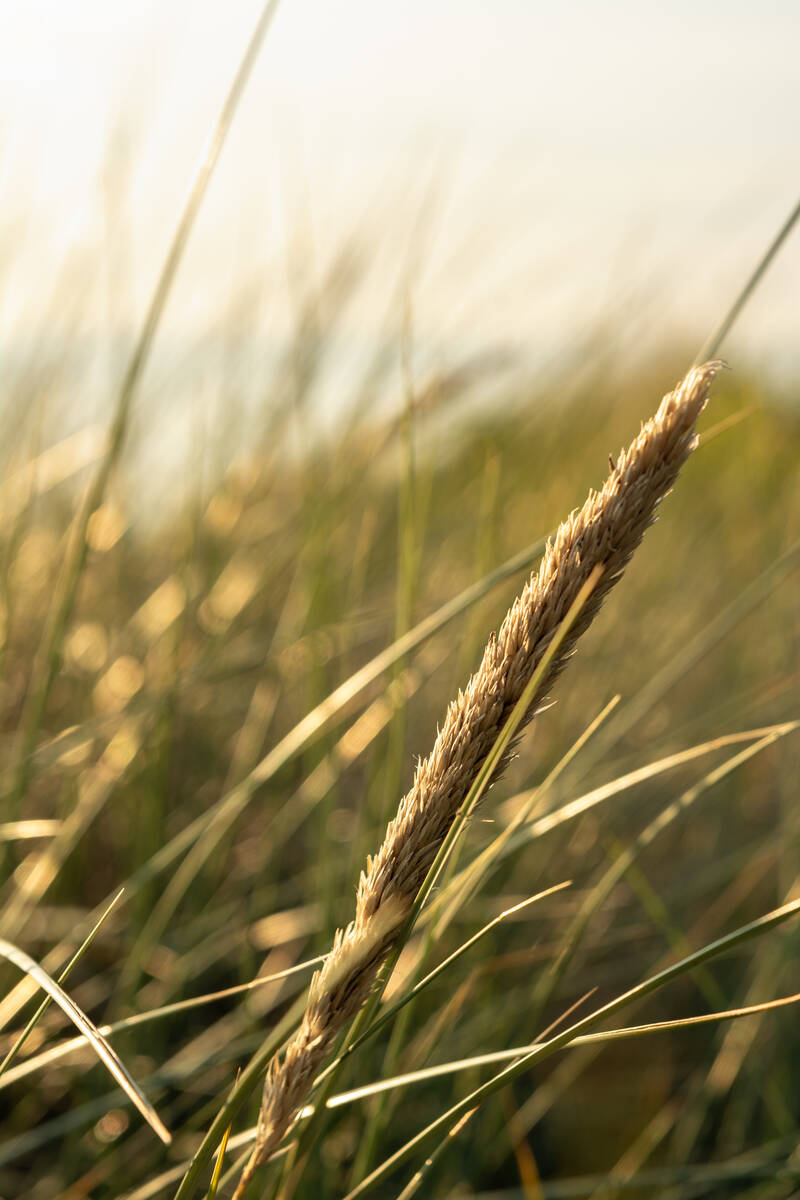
[(599, 795), (103, 1050), (56, 1053), (43, 1007)]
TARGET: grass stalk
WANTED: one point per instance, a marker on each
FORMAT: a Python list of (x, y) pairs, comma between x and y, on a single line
[(586, 559)]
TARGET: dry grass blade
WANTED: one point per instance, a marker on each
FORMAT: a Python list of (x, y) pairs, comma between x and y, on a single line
[(102, 1048), (711, 346), (602, 537), (598, 795)]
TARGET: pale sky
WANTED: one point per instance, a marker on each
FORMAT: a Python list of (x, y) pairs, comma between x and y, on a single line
[(582, 152)]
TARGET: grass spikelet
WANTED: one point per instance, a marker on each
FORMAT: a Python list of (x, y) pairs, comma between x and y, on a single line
[(604, 533)]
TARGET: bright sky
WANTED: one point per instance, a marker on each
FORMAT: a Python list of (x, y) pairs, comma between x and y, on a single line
[(583, 152)]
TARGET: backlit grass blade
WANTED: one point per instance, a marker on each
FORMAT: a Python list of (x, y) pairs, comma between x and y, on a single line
[(42, 1009), (63, 1049), (104, 1051)]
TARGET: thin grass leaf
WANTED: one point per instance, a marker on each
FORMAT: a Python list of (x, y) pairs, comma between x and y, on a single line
[(470, 879), (692, 652), (712, 344), (599, 795), (504, 740), (617, 869), (448, 962), (588, 1039), (56, 1053), (215, 1178), (416, 1180), (43, 1007), (101, 1047)]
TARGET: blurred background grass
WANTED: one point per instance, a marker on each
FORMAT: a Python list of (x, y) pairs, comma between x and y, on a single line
[(294, 495)]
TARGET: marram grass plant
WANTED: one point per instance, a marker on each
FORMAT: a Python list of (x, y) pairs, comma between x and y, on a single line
[(598, 540), (115, 784)]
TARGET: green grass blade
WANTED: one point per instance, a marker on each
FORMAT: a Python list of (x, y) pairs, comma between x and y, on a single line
[(721, 945), (589, 1039)]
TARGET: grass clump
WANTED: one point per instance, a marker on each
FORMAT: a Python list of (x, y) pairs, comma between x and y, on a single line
[(218, 719), (211, 759)]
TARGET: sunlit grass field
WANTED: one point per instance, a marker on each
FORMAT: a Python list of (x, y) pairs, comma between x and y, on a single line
[(172, 757)]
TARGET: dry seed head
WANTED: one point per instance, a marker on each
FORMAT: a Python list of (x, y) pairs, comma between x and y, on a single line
[(604, 532)]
